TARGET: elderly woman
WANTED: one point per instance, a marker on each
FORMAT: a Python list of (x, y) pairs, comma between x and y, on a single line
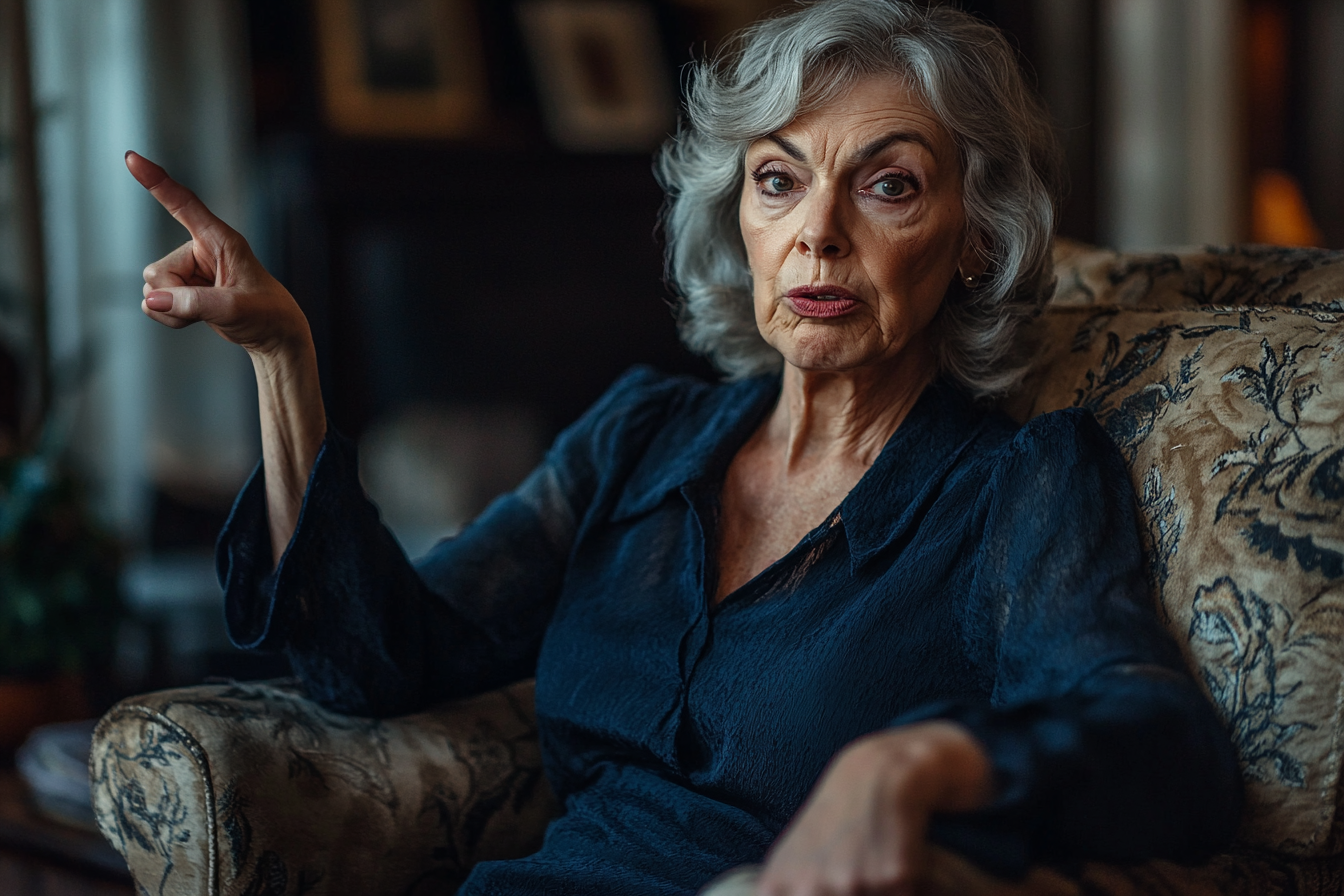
[(821, 613)]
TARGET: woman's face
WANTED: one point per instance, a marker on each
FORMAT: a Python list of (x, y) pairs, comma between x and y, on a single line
[(853, 222)]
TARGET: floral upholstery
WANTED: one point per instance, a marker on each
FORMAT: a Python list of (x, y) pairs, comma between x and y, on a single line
[(1212, 277), (1216, 372), (253, 790)]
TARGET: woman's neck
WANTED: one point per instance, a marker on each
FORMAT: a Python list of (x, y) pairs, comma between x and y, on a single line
[(824, 416)]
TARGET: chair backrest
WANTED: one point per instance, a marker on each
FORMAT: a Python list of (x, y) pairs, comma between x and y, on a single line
[(1220, 375)]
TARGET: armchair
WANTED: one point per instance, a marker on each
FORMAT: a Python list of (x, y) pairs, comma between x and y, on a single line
[(1218, 374)]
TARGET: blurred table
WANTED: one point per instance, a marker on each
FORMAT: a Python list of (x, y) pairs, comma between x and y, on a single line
[(43, 858)]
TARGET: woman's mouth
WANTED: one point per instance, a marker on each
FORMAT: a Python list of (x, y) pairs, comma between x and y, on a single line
[(821, 301)]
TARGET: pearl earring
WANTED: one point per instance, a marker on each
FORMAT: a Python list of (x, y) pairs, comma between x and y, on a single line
[(969, 281)]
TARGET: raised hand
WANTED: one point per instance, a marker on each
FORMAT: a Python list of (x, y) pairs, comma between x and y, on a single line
[(214, 277)]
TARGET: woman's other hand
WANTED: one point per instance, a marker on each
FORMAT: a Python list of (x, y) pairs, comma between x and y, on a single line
[(862, 829), (214, 277)]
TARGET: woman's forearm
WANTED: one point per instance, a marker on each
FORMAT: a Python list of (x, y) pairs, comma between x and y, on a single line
[(293, 425)]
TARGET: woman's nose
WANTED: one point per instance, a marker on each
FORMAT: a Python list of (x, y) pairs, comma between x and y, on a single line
[(823, 233)]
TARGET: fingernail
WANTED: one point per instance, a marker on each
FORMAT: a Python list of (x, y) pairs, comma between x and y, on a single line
[(159, 301), (128, 154)]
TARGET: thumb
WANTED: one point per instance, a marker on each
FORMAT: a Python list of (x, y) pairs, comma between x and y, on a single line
[(180, 306)]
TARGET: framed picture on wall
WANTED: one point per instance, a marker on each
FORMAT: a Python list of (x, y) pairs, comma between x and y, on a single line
[(400, 68), (600, 73)]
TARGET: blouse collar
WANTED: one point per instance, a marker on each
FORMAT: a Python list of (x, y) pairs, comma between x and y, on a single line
[(714, 422), (910, 469)]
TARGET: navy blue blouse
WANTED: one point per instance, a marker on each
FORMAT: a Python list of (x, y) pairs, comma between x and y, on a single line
[(979, 572)]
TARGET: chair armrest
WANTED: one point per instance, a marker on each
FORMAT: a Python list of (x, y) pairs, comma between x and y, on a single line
[(249, 788)]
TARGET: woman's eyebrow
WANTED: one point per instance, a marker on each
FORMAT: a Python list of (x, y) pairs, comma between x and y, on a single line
[(788, 146), (863, 153), (868, 150)]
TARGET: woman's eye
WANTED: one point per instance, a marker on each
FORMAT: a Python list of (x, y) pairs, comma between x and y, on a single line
[(891, 187), (778, 183)]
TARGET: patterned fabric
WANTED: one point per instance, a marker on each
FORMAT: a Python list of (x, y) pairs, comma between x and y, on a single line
[(1212, 277), (253, 790), (1215, 371), (1230, 411)]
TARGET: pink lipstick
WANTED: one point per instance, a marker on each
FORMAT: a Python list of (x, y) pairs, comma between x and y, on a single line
[(822, 300)]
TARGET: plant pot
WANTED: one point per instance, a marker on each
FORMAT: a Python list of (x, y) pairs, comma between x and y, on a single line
[(26, 703)]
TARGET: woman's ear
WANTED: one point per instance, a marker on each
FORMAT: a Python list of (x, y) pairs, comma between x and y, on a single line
[(973, 262)]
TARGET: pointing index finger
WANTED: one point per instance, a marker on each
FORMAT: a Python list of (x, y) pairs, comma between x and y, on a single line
[(180, 202)]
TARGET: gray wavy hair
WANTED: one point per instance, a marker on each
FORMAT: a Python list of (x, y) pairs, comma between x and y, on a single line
[(964, 71)]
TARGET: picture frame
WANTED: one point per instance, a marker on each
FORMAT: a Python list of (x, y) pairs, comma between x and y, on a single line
[(400, 68), (600, 74)]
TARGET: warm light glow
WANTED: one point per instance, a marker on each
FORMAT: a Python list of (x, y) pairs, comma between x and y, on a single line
[(1279, 213)]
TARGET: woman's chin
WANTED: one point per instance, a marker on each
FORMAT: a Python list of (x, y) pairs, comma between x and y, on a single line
[(826, 351), (815, 359)]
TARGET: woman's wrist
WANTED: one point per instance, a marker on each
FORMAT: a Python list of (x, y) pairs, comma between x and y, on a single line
[(288, 340), (938, 765), (863, 826)]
